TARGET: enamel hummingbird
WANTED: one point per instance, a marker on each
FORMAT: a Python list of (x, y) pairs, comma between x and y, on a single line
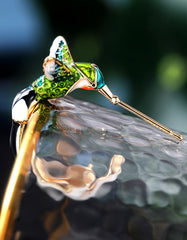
[(61, 76)]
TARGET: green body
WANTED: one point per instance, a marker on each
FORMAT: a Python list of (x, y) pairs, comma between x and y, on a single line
[(61, 73), (47, 89)]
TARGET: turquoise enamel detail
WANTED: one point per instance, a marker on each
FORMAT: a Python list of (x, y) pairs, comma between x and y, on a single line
[(40, 81), (100, 78)]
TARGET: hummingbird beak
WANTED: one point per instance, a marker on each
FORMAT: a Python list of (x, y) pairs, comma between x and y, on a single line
[(88, 88), (82, 83), (87, 85)]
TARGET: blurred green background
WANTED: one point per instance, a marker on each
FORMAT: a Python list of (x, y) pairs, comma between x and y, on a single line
[(140, 46)]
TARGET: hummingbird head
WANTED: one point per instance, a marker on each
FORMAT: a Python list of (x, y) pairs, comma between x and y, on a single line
[(62, 75)]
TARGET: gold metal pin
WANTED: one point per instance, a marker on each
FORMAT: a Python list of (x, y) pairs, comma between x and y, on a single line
[(115, 100)]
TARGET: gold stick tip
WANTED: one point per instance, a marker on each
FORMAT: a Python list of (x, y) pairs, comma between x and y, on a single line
[(176, 135)]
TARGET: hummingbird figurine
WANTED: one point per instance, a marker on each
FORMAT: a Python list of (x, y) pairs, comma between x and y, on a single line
[(30, 112), (61, 76)]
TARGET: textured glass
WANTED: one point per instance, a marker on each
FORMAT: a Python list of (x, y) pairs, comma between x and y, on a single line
[(147, 200)]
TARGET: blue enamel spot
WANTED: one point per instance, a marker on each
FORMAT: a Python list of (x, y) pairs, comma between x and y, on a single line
[(100, 79), (40, 81)]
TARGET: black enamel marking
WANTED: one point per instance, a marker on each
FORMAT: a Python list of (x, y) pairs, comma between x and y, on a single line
[(28, 95)]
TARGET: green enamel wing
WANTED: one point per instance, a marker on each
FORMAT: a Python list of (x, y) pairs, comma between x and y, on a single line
[(62, 75)]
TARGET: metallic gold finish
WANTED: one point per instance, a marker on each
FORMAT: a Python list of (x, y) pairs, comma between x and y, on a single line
[(16, 182), (115, 100), (20, 136), (18, 175), (33, 107)]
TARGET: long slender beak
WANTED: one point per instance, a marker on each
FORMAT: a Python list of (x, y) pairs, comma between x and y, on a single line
[(105, 91), (82, 83), (88, 88)]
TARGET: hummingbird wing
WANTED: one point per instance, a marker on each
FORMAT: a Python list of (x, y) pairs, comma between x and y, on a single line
[(60, 51)]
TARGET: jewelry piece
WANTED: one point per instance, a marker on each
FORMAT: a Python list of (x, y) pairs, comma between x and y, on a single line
[(61, 76), (31, 107)]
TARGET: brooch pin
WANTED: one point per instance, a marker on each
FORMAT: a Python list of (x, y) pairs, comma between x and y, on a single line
[(62, 76), (30, 111)]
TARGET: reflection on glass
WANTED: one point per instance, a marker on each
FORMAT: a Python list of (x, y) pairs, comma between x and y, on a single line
[(68, 161)]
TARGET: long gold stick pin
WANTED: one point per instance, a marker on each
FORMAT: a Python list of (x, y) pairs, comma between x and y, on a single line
[(115, 100)]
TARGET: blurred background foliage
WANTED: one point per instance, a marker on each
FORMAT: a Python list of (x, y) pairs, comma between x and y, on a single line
[(140, 46)]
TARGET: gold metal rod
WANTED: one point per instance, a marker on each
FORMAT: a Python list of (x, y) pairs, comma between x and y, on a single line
[(17, 179), (38, 115), (115, 100), (150, 120)]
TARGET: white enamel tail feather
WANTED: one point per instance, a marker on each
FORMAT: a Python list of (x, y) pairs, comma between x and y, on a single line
[(55, 46), (20, 111)]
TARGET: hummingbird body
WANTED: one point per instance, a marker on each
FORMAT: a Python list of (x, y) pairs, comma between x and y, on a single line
[(63, 81), (62, 76)]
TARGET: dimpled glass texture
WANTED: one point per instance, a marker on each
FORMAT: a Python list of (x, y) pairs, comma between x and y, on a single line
[(147, 200)]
